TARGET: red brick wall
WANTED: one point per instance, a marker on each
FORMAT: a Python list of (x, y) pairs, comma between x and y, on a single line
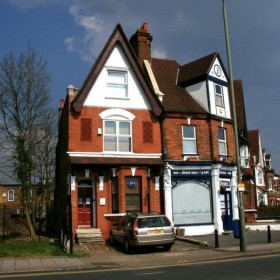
[(96, 145), (206, 136), (122, 172)]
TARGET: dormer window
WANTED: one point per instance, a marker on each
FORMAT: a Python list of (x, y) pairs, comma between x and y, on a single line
[(116, 84), (219, 96)]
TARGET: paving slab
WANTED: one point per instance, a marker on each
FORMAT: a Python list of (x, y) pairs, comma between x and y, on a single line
[(35, 264), (49, 263), (22, 265)]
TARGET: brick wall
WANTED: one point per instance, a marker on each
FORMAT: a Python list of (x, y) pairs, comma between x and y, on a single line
[(121, 173), (96, 145), (206, 136)]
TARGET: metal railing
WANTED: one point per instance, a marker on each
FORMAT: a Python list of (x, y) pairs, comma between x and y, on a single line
[(13, 223)]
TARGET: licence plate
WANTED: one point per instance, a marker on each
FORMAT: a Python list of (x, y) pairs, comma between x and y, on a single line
[(156, 231)]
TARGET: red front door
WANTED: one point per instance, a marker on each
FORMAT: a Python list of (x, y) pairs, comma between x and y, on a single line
[(85, 206)]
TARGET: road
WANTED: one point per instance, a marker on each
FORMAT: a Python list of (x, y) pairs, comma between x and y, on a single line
[(264, 267)]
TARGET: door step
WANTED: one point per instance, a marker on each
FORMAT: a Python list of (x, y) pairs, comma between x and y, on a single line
[(89, 236)]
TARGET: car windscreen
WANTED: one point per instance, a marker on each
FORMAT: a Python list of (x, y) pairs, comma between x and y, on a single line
[(153, 222)]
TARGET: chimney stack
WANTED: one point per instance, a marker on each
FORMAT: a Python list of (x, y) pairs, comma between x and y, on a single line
[(141, 43)]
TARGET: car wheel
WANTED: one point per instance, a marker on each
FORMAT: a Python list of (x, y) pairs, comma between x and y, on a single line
[(112, 239), (167, 247), (127, 247)]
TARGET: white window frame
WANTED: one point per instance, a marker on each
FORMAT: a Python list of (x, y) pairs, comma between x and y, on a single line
[(244, 156), (189, 139), (222, 141), (13, 195), (117, 135), (111, 84), (260, 177), (269, 180), (219, 96)]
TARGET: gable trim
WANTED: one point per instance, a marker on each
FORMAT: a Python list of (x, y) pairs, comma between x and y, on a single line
[(117, 37)]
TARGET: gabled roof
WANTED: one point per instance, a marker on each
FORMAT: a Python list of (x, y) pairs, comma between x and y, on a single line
[(176, 98), (118, 37), (197, 70)]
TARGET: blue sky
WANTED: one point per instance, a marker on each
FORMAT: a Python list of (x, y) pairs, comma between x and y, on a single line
[(70, 34)]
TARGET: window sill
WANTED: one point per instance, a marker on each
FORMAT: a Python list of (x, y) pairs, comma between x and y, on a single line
[(191, 157), (118, 98)]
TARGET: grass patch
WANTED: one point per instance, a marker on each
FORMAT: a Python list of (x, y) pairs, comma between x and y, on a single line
[(31, 249)]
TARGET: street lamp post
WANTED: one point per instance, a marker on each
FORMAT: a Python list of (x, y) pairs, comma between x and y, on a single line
[(243, 242)]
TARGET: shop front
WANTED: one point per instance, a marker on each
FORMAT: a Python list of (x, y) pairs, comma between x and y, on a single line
[(201, 198)]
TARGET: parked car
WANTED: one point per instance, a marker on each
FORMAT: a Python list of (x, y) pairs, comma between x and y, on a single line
[(134, 230)]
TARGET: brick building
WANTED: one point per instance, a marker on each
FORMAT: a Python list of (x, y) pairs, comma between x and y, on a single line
[(150, 135), (200, 186), (109, 153)]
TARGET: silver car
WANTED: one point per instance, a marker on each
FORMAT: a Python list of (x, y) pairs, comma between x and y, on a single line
[(134, 230)]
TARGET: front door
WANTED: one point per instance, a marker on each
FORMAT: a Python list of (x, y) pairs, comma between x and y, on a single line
[(225, 198), (85, 206)]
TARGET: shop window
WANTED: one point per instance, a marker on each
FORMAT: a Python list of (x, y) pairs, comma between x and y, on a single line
[(192, 203), (133, 194)]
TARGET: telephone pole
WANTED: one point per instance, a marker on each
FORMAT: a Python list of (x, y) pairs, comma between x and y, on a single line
[(243, 242)]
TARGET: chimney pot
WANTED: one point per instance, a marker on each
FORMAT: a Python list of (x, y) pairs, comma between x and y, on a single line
[(61, 103), (145, 26)]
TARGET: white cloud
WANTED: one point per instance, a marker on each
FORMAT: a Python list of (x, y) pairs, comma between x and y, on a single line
[(159, 53), (95, 34)]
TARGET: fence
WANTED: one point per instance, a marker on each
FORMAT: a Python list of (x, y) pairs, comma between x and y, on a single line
[(13, 223)]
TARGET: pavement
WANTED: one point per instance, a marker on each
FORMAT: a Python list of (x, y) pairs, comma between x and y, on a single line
[(187, 249)]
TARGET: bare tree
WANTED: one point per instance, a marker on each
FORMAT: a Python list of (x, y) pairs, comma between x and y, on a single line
[(24, 114)]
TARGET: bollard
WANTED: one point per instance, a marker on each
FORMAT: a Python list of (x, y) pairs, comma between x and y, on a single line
[(216, 239), (268, 234)]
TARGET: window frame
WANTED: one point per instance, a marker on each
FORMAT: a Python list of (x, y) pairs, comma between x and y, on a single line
[(116, 84), (115, 194), (269, 182), (260, 177), (188, 139), (222, 141), (219, 96), (13, 195), (117, 135)]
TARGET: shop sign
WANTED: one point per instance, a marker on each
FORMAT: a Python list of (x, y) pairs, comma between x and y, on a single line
[(132, 183), (225, 174), (191, 173)]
